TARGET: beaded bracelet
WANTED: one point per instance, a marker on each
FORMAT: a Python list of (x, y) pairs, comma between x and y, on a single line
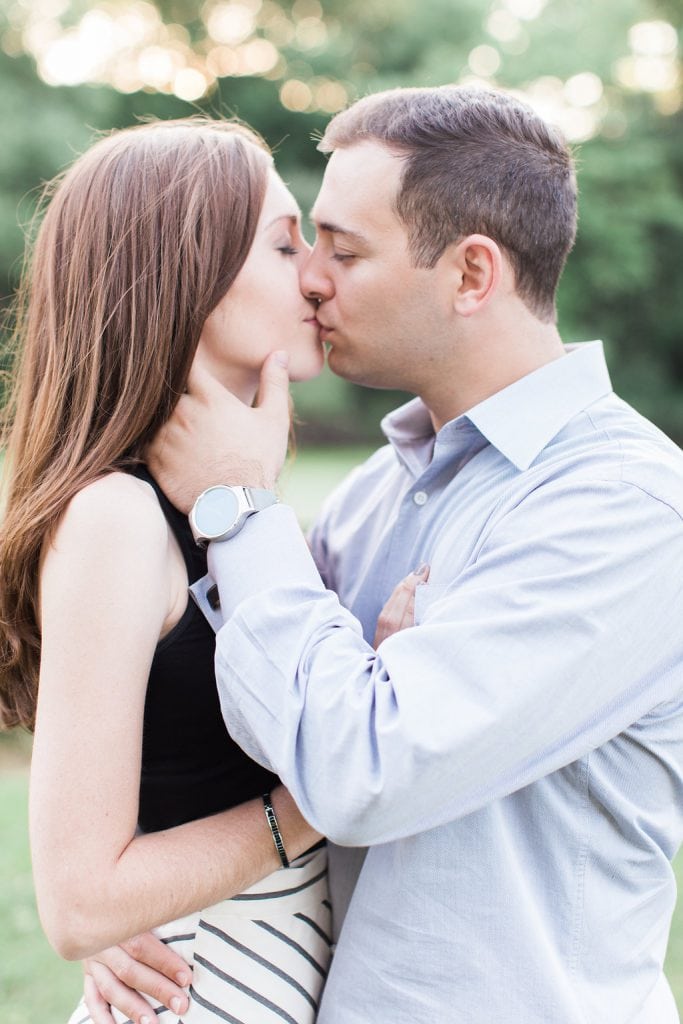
[(275, 829)]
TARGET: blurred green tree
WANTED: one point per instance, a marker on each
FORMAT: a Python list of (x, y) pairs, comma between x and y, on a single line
[(610, 74)]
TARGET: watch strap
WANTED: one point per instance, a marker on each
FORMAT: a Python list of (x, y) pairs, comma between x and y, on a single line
[(261, 498)]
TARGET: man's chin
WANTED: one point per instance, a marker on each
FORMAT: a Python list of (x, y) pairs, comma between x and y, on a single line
[(351, 371)]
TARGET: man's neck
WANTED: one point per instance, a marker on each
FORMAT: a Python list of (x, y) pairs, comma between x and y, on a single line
[(484, 366)]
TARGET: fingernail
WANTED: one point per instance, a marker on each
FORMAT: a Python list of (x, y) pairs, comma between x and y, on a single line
[(177, 1004), (183, 979), (281, 358), (145, 1020), (421, 569)]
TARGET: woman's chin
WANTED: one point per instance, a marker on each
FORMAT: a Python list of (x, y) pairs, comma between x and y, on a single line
[(302, 368)]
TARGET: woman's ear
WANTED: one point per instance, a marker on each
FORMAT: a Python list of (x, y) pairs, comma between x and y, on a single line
[(480, 266)]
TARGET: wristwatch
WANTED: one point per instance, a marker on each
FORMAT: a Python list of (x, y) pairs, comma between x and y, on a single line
[(221, 512)]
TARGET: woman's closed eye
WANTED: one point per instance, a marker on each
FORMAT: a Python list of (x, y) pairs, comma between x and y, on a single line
[(288, 250)]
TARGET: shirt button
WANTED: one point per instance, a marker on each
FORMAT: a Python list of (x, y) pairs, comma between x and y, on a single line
[(420, 497)]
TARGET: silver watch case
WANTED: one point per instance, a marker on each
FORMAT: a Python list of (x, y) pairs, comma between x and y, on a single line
[(221, 511)]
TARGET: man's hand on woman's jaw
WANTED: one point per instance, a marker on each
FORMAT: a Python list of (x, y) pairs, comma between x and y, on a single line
[(214, 438)]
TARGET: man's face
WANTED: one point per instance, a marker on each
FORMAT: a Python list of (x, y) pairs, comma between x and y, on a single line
[(385, 321)]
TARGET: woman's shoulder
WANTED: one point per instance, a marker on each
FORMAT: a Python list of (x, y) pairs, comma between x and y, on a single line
[(116, 495), (115, 505)]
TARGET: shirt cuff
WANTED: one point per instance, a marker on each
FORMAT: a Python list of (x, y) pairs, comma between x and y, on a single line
[(269, 551)]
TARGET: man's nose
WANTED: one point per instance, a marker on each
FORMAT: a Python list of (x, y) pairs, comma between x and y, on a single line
[(314, 282)]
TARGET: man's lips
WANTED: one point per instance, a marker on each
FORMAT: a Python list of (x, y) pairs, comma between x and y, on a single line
[(325, 329)]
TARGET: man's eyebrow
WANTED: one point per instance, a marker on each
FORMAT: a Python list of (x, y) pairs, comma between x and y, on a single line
[(335, 229)]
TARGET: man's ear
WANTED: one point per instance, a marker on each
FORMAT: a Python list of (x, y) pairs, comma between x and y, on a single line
[(479, 263)]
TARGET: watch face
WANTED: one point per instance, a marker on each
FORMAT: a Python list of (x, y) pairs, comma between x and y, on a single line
[(216, 512)]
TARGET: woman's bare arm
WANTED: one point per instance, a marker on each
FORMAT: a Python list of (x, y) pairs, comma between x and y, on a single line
[(104, 600), (117, 975)]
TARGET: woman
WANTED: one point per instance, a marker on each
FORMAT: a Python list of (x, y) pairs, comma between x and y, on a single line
[(164, 244)]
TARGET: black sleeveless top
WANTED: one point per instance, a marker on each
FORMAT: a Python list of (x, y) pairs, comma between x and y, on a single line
[(190, 765)]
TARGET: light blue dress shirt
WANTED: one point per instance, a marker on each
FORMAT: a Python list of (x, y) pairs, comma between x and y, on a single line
[(515, 760)]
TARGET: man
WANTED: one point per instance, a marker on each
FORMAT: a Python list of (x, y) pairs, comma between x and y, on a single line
[(515, 762)]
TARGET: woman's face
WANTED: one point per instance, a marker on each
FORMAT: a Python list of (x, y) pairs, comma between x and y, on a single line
[(264, 309)]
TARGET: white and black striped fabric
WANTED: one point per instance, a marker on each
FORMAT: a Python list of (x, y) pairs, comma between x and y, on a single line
[(258, 958)]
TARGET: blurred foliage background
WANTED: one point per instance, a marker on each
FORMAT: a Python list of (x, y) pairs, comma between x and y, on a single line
[(608, 73)]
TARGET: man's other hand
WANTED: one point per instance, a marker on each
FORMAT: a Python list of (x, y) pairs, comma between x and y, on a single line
[(118, 976)]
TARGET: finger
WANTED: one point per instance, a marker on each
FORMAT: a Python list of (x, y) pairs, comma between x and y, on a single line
[(408, 617), (149, 950), (382, 631), (113, 993), (410, 585), (399, 611), (97, 1006), (273, 392), (392, 615), (128, 977)]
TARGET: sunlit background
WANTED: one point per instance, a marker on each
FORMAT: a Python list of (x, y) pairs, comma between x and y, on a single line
[(608, 72), (183, 50)]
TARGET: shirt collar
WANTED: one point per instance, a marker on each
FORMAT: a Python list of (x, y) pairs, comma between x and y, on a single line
[(410, 432), (521, 419)]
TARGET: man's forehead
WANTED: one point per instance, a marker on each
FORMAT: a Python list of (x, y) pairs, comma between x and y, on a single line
[(360, 184)]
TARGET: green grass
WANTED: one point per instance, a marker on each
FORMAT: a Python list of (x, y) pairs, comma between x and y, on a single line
[(36, 987), (311, 475)]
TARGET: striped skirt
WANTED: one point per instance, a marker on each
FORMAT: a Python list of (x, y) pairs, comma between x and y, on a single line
[(258, 958)]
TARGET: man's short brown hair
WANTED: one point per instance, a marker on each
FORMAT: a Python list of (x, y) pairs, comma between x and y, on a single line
[(478, 161)]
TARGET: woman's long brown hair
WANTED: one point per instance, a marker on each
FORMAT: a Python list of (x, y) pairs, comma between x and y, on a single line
[(142, 237)]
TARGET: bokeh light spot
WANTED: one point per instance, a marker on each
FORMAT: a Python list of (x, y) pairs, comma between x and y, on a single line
[(257, 57), (230, 23), (190, 84), (584, 89), (525, 9), (653, 38), (484, 61), (296, 95), (331, 97), (311, 33), (503, 26)]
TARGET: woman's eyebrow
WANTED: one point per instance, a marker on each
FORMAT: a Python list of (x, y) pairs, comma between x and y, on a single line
[(293, 218)]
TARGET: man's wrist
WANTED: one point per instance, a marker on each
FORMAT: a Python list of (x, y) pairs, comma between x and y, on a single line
[(271, 549), (221, 511)]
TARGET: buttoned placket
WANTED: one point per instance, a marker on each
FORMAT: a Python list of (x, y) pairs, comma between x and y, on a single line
[(454, 448)]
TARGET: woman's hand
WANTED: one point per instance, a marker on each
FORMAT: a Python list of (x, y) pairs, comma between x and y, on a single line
[(399, 611), (118, 975)]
